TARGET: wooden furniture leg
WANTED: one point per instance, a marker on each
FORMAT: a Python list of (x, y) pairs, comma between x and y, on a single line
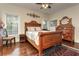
[(40, 53), (11, 42), (14, 40), (6, 42)]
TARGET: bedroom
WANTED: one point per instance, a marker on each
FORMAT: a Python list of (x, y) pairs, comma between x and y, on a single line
[(15, 15)]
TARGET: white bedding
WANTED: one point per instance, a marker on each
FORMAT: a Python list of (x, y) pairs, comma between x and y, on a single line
[(33, 35)]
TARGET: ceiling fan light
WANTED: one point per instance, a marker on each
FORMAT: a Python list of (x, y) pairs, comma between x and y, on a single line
[(45, 6)]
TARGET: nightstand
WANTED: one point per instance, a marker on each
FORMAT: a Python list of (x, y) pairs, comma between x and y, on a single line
[(22, 38)]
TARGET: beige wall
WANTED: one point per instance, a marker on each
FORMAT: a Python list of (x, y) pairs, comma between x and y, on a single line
[(72, 12), (21, 12)]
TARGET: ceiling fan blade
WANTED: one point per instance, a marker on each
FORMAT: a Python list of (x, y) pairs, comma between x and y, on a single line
[(39, 3), (49, 6)]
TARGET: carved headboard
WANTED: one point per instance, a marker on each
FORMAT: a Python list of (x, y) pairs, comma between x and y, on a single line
[(31, 24)]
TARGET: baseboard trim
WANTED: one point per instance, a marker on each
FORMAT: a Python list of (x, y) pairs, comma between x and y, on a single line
[(72, 48)]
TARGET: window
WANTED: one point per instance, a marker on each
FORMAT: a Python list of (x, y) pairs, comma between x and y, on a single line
[(12, 24), (44, 24), (53, 23)]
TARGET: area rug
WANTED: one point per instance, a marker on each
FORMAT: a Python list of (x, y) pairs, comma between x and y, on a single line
[(60, 51)]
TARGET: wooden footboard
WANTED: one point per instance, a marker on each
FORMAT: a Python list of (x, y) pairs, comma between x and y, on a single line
[(46, 39), (49, 39)]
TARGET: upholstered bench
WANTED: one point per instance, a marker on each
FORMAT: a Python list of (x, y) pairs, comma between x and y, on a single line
[(9, 39)]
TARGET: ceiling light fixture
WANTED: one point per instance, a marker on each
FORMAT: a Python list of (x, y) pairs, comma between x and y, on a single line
[(33, 15), (45, 6)]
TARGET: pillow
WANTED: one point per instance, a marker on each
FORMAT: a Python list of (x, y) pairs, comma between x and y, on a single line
[(52, 28), (31, 28), (38, 28), (34, 28), (28, 28)]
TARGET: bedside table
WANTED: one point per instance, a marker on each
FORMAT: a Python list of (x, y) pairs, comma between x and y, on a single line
[(22, 38)]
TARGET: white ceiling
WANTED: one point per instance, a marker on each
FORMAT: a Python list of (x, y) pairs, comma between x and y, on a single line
[(55, 7)]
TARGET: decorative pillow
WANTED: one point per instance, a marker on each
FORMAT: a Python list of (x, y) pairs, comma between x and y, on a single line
[(38, 28), (34, 28), (31, 28)]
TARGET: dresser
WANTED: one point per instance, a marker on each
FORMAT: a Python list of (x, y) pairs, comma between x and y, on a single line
[(66, 28)]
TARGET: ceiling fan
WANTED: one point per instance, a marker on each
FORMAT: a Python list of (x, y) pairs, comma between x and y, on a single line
[(44, 5)]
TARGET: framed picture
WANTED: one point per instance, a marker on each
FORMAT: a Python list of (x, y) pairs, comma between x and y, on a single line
[(53, 23)]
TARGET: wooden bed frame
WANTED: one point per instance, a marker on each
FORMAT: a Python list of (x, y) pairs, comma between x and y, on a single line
[(46, 40)]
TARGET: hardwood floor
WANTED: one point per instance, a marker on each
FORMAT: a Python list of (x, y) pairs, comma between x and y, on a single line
[(73, 45), (26, 49), (21, 49)]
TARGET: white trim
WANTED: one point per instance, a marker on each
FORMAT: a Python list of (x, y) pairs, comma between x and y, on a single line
[(76, 49)]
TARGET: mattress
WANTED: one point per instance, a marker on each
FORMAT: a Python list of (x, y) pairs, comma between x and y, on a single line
[(33, 35)]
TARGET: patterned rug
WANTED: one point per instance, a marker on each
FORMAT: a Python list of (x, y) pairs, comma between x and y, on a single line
[(60, 51)]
